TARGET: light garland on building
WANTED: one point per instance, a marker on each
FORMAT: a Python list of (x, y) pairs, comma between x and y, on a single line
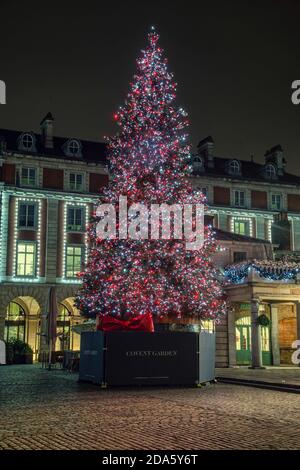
[(270, 270), (4, 217), (15, 277), (65, 232), (242, 219)]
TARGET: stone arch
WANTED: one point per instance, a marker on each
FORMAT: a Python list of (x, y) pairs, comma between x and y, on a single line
[(29, 323), (69, 317)]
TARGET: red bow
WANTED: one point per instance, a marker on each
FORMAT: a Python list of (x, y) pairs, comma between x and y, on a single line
[(140, 323)]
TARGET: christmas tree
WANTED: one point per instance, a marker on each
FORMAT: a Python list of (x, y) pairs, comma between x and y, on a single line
[(150, 163)]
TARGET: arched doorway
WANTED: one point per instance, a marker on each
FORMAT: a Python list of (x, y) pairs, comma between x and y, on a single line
[(15, 323), (68, 316), (23, 322)]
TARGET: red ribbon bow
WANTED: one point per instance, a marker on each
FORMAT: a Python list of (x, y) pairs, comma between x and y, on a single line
[(140, 323)]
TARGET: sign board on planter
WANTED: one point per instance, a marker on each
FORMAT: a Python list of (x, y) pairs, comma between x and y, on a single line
[(138, 358)]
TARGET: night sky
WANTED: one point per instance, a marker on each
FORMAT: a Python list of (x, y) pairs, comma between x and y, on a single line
[(234, 62)]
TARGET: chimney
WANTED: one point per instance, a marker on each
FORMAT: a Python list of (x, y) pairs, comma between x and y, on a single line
[(275, 155), (47, 131), (205, 150)]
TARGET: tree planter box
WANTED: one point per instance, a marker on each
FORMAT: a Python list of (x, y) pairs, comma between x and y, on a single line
[(138, 358)]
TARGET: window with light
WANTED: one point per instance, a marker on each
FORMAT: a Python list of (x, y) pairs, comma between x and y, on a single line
[(14, 322), (26, 257), (241, 227), (73, 261)]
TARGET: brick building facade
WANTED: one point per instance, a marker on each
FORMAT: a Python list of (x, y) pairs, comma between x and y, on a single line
[(48, 188)]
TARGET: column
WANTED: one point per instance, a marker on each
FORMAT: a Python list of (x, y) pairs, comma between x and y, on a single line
[(255, 336), (231, 338), (275, 335), (51, 255)]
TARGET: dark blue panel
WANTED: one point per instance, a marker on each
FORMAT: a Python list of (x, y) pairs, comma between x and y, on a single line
[(91, 368)]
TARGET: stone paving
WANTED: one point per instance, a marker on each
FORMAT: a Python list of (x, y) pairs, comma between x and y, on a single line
[(51, 410), (273, 375)]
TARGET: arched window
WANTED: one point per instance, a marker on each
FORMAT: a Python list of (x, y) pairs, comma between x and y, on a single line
[(234, 167), (73, 147), (27, 141), (14, 322), (270, 171)]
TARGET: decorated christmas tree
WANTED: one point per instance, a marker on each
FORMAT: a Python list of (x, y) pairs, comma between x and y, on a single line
[(150, 163)]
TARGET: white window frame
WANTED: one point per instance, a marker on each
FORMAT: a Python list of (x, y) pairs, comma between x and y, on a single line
[(26, 244), (234, 167), (31, 138), (82, 209), (237, 198), (75, 188), (270, 174), (73, 276), (28, 185), (26, 227), (274, 206), (70, 148)]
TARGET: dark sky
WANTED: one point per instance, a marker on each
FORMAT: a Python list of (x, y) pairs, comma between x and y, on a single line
[(234, 62)]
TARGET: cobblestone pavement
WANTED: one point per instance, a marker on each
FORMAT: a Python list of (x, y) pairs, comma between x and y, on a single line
[(279, 375), (51, 410)]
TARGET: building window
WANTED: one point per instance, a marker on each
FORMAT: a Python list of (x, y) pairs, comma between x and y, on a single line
[(239, 256), (198, 163), (270, 171), (73, 261), (14, 322), (73, 147), (75, 219), (76, 182), (276, 202), (234, 167), (26, 257), (27, 215), (239, 198), (27, 142), (28, 177), (241, 227)]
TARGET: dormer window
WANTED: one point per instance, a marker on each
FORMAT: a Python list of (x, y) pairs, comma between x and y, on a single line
[(270, 171), (73, 148), (234, 167), (198, 163), (27, 142)]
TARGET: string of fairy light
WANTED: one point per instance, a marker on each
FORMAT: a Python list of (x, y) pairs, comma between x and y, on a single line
[(150, 161), (267, 269)]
